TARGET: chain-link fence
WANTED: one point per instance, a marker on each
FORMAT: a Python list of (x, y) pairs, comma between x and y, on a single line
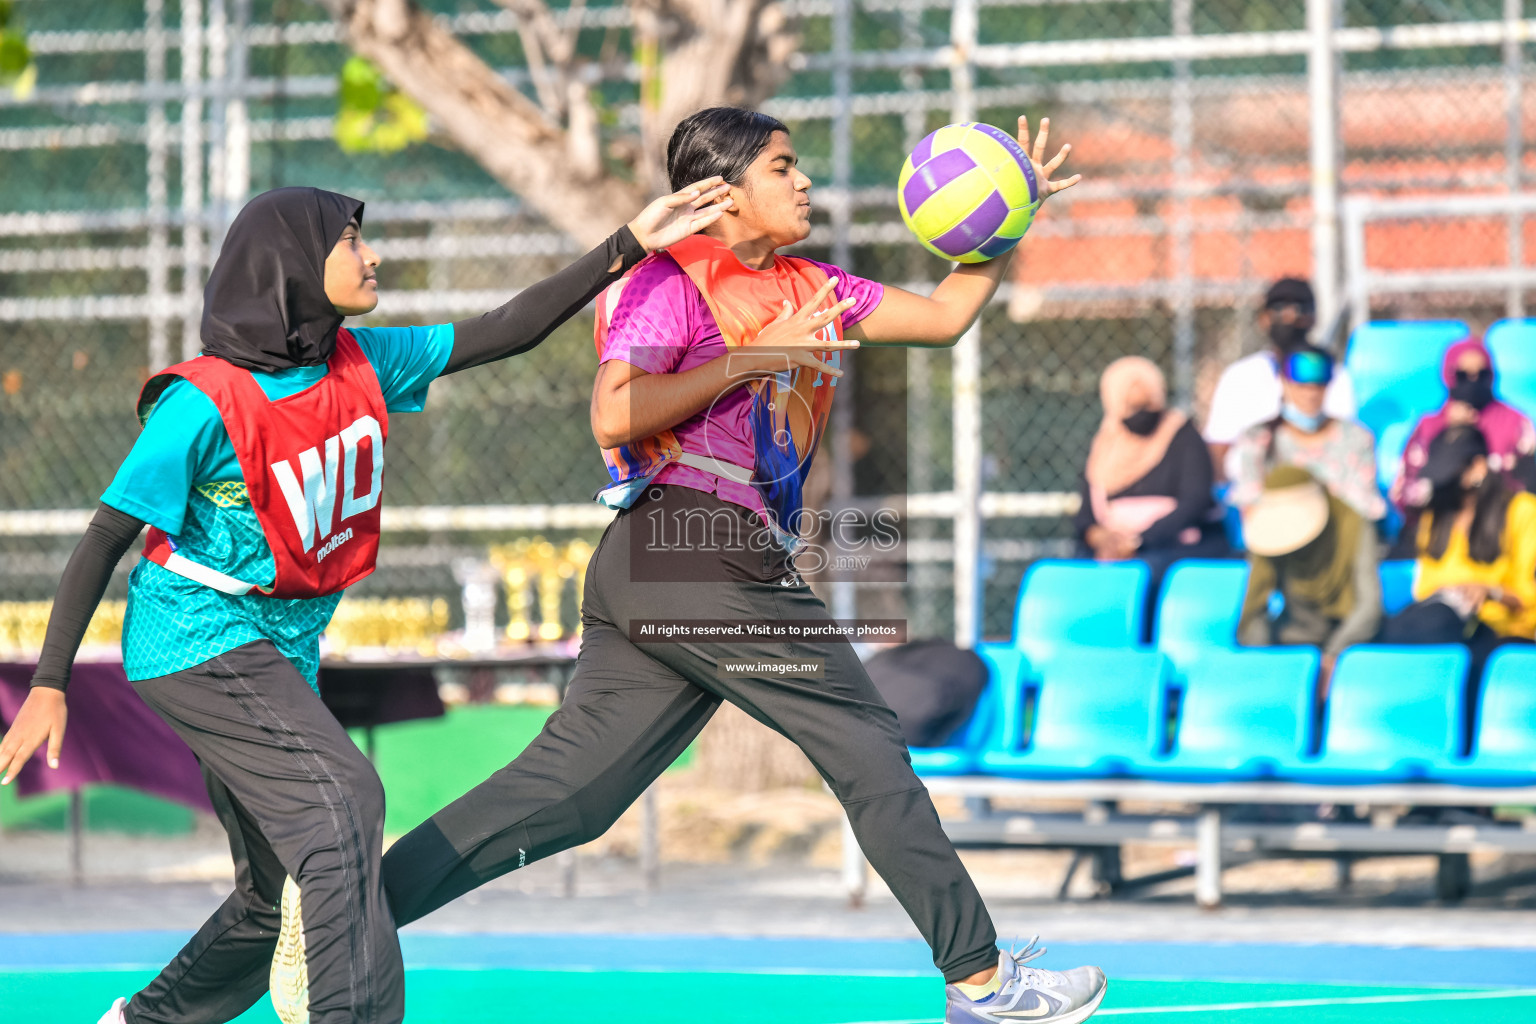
[(1216, 138)]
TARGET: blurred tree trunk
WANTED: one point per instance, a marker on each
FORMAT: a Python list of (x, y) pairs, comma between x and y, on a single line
[(551, 149), (738, 753)]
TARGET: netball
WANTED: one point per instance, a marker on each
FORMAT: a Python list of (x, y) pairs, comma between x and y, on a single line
[(968, 192)]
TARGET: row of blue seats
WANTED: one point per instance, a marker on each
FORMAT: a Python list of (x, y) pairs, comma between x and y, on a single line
[(1395, 714), (1395, 366), (1074, 695), (1071, 603)]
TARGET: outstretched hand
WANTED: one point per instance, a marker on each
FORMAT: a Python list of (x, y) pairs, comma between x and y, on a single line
[(1044, 170), (795, 336), (670, 219), (40, 721)]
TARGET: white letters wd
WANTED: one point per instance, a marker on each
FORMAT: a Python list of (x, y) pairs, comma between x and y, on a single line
[(365, 427), (313, 505)]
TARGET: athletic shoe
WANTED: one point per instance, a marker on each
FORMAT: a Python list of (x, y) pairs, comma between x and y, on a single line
[(115, 1015), (1030, 994), (289, 981)]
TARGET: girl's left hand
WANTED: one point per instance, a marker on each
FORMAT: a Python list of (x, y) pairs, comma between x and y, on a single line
[(1043, 170), (672, 218), (39, 722)]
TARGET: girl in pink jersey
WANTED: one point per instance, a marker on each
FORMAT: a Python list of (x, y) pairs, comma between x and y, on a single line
[(718, 364)]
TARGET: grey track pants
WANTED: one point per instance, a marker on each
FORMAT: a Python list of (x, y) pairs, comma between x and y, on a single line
[(298, 799), (632, 708)]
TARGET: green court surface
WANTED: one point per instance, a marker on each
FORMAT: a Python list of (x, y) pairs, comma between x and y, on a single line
[(647, 983), (566, 997)]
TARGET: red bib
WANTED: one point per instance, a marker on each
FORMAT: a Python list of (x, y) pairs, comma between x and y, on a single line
[(313, 465)]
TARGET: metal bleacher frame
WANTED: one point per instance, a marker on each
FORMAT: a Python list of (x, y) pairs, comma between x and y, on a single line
[(1237, 820), (1097, 833)]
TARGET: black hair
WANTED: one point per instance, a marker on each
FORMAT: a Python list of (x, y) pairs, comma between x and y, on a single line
[(1485, 537), (718, 140), (1291, 291)]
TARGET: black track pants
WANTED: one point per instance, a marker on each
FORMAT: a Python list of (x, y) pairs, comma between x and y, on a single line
[(632, 708), (297, 798)]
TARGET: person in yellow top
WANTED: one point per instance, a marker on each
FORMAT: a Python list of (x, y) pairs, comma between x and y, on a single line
[(1475, 580)]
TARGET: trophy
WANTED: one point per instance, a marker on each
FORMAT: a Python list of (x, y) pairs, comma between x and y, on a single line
[(478, 582), (552, 574), (534, 568), (514, 563), (578, 553), (389, 623)]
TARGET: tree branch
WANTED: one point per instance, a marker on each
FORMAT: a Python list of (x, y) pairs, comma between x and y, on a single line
[(501, 129), (714, 51), (696, 53)]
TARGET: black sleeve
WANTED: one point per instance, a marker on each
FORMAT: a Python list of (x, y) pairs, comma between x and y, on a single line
[(1190, 461), (85, 579), (1084, 517), (529, 317)]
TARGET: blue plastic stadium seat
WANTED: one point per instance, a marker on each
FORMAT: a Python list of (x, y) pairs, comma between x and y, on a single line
[(1397, 585), (1099, 713), (1005, 667), (1504, 750), (1512, 344), (1394, 714), (1066, 604), (1199, 608), (1244, 714), (1391, 442), (1395, 368)]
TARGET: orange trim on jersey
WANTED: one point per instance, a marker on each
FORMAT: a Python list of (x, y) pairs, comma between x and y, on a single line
[(790, 410)]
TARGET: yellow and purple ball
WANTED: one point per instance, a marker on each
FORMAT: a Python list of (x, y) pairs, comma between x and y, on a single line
[(968, 192)]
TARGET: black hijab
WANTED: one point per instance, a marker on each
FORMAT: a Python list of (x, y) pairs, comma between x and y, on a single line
[(265, 307)]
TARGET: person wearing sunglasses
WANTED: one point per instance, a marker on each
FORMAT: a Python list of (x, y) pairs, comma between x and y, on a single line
[(1249, 391), (1468, 372), (1339, 453)]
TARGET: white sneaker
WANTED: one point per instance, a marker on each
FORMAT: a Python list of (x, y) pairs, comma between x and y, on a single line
[(115, 1015), (1030, 994), (289, 980)]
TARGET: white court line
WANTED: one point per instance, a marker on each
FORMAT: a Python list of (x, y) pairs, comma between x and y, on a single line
[(1283, 1004), (1286, 1004)]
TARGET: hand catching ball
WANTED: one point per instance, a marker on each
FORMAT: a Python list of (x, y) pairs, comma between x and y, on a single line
[(968, 192)]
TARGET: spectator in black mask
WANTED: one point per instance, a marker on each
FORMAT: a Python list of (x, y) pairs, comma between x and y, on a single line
[(1468, 372), (1248, 392), (1146, 487)]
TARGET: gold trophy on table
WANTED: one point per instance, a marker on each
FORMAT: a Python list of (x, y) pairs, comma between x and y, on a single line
[(515, 565)]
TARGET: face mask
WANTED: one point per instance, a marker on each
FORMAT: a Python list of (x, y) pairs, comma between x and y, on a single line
[(1302, 421), (1287, 337), (1476, 390), (1143, 422)]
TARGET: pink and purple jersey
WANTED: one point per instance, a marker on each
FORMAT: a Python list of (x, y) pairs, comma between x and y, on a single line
[(661, 323)]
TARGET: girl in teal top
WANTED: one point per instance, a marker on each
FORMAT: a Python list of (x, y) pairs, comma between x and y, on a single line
[(234, 675)]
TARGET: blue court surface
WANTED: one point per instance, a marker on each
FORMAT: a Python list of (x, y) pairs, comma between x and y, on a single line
[(534, 979)]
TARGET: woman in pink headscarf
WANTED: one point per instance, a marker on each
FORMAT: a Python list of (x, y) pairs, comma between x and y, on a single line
[(1146, 490), (1468, 373)]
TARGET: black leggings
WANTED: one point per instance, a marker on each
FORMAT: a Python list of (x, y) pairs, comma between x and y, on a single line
[(298, 799), (631, 709)]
